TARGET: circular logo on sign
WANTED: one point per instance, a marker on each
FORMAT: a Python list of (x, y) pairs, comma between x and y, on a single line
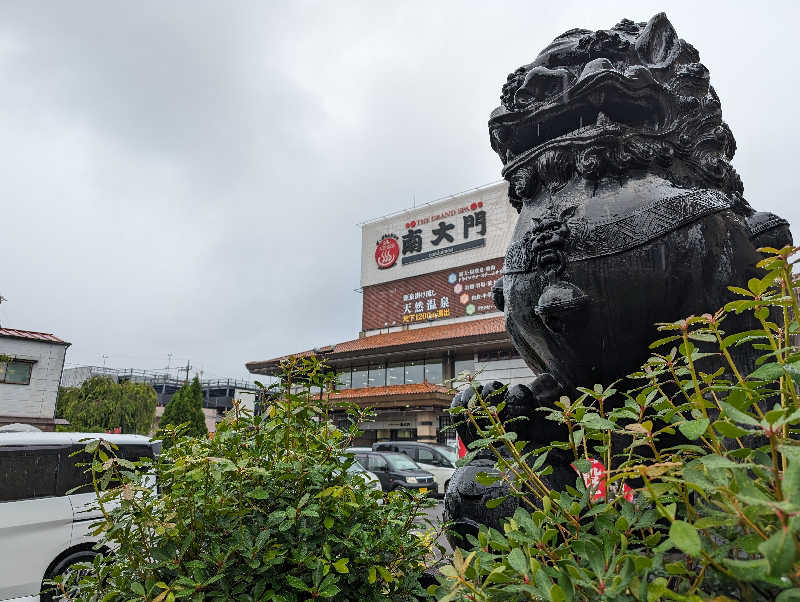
[(464, 299), (470, 309), (387, 253), (458, 288), (452, 278)]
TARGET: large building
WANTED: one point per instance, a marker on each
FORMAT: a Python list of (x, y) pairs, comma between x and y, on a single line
[(30, 370), (428, 315)]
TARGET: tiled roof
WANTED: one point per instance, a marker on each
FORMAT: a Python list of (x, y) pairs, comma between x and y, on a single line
[(412, 336), (283, 358), (417, 389), (427, 334), (31, 335)]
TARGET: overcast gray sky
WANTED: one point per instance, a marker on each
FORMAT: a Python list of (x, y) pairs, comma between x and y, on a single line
[(186, 177)]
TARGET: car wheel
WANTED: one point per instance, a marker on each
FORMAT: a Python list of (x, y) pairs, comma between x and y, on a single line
[(50, 593)]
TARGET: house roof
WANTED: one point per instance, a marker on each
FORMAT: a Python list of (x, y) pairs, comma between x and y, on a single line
[(31, 335), (427, 334), (413, 337), (390, 391)]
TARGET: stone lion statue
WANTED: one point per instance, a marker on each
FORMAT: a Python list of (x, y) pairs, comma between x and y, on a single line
[(630, 213)]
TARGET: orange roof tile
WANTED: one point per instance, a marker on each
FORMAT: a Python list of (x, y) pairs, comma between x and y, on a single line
[(30, 334), (426, 334), (416, 389), (413, 336)]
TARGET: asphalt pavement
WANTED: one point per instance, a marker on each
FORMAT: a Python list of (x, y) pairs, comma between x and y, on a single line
[(434, 514)]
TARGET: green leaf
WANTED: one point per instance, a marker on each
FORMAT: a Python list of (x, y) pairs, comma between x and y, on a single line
[(693, 429), (780, 551), (385, 574), (738, 415), (341, 565), (487, 479), (684, 536), (297, 583), (517, 561), (676, 568), (328, 522), (557, 594), (767, 372), (727, 429), (703, 337), (597, 422), (372, 575), (494, 503), (656, 589), (789, 595), (582, 465), (596, 559), (664, 341), (259, 494), (138, 588), (748, 570), (329, 592)]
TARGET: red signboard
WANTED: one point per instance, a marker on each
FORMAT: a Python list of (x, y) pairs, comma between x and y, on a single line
[(387, 252), (451, 293)]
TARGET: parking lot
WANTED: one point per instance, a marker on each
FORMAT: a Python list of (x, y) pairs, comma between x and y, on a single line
[(434, 514)]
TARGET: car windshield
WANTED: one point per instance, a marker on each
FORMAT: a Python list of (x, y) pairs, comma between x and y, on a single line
[(449, 453), (401, 462), (354, 467)]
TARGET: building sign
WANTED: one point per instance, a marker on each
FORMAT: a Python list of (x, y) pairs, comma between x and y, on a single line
[(452, 293), (463, 229), (387, 251)]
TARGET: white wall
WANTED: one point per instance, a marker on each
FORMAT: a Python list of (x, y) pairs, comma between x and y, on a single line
[(509, 372), (501, 218), (38, 399)]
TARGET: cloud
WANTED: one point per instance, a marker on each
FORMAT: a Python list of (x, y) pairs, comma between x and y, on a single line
[(186, 177)]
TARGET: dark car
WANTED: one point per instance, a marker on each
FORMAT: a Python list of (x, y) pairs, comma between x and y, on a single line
[(397, 471)]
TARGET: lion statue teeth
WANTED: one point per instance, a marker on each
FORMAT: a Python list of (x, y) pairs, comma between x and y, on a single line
[(630, 213)]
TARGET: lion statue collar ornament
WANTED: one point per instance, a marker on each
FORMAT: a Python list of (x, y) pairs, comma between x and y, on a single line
[(630, 213)]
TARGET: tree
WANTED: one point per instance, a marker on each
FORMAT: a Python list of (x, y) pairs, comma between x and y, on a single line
[(101, 405), (187, 406)]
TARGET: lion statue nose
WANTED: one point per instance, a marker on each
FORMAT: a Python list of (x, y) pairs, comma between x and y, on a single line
[(541, 83)]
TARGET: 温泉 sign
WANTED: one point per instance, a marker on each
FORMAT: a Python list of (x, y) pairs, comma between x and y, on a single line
[(451, 293), (464, 229)]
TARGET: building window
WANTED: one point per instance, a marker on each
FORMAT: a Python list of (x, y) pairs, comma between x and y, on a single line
[(447, 434), (497, 355), (415, 372), (464, 365), (360, 377), (394, 374), (343, 380), (433, 372), (16, 372), (377, 375)]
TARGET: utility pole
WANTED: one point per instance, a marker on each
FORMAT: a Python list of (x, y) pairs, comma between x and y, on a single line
[(187, 368), (105, 357), (2, 298)]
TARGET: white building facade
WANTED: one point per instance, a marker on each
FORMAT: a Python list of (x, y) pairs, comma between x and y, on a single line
[(31, 364)]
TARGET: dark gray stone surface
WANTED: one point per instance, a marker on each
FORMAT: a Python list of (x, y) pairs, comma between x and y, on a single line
[(630, 213)]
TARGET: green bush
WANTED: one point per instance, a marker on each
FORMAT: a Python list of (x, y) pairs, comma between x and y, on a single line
[(100, 405), (185, 406), (715, 512), (264, 510)]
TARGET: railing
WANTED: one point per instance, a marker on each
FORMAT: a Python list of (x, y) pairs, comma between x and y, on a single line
[(160, 378)]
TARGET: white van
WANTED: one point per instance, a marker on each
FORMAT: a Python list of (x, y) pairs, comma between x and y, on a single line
[(43, 531)]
